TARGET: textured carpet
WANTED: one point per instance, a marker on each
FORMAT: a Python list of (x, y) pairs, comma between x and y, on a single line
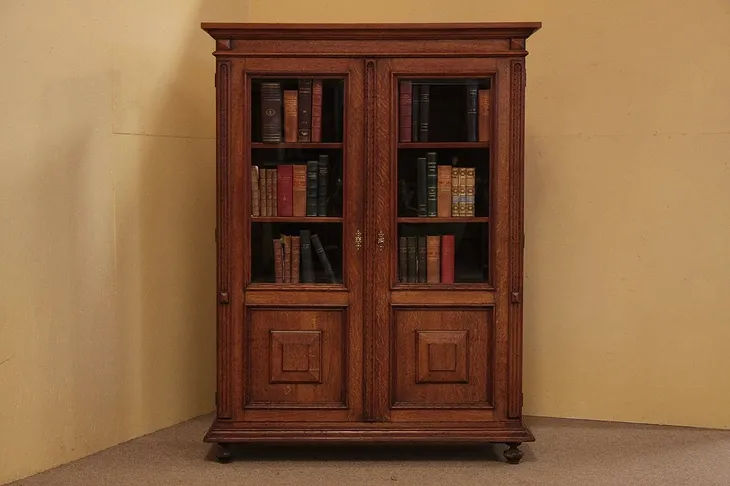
[(567, 452)]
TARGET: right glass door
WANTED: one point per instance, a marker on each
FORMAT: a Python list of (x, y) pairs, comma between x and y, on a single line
[(438, 315)]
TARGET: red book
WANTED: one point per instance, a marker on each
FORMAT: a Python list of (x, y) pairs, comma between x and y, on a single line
[(405, 110), (447, 258), (285, 196)]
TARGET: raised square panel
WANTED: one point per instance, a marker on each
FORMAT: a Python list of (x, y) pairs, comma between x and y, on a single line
[(442, 356), (296, 356)]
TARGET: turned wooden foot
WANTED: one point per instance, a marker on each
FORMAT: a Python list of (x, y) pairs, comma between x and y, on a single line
[(223, 453), (513, 454)]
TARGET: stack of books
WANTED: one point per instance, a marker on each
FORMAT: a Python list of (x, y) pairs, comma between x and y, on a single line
[(302, 112), (290, 190), (444, 191), (426, 259), (293, 259)]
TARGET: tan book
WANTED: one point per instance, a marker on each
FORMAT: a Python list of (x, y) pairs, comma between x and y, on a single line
[(462, 191), (444, 191), (278, 261), (454, 192), (317, 110), (291, 125), (299, 190), (274, 192), (255, 196), (433, 259), (470, 173), (262, 192), (286, 242), (485, 115), (295, 258)]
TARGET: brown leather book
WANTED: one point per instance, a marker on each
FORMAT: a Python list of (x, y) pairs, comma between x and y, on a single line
[(485, 115), (255, 196), (454, 192), (405, 110), (317, 110), (271, 112), (290, 115), (470, 173), (462, 191), (278, 261), (287, 257), (265, 192), (274, 192), (402, 259), (305, 111), (299, 190), (295, 258), (433, 259), (444, 191), (284, 190), (447, 258)]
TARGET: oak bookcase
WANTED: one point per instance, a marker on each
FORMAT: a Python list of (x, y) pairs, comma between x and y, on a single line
[(411, 329)]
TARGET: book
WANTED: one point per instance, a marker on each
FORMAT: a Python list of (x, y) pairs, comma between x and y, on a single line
[(415, 112), (262, 192), (305, 111), (278, 261), (322, 255), (471, 111), (444, 191), (271, 112), (286, 244), (422, 186), (421, 264), (290, 115), (462, 191), (255, 195), (267, 175), (405, 107), (412, 251), (402, 259), (312, 188), (299, 190), (322, 172), (274, 198), (454, 192), (447, 258), (295, 258), (431, 185), (433, 259), (470, 173), (307, 275), (485, 115), (284, 183), (317, 110), (423, 109)]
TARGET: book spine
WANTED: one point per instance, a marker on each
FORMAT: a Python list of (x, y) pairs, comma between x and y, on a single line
[(312, 188), (290, 115), (447, 259), (287, 258), (433, 259), (415, 112), (421, 265), (299, 190), (271, 112), (462, 191), (323, 172), (470, 174), (278, 261), (422, 186), (471, 111), (431, 185), (267, 185), (317, 110), (284, 182), (412, 259), (306, 256), (454, 192), (274, 192), (305, 111), (405, 106), (295, 258), (255, 195), (485, 116), (402, 259), (322, 255), (444, 191), (425, 96)]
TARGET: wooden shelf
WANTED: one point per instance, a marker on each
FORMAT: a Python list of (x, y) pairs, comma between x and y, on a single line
[(442, 145), (296, 219), (294, 145), (455, 219)]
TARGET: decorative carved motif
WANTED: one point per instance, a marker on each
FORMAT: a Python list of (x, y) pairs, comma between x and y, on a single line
[(224, 44), (296, 356), (442, 356), (517, 44)]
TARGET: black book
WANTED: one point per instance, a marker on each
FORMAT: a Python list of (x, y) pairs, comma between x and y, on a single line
[(402, 259), (421, 259), (472, 111), (271, 112), (425, 96), (422, 186), (431, 185), (304, 107), (323, 170), (312, 188), (415, 117), (323, 259), (307, 275), (412, 259)]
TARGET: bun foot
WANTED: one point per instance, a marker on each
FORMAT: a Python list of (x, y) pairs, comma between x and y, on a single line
[(513, 455), (223, 454)]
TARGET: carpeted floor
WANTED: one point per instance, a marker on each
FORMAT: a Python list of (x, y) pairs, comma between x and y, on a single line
[(567, 452)]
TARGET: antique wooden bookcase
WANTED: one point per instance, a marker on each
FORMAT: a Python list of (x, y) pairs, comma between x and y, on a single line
[(367, 350)]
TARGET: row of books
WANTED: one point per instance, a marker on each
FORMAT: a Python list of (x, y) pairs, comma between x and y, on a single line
[(302, 113), (426, 259), (414, 105), (444, 191), (290, 190), (293, 258)]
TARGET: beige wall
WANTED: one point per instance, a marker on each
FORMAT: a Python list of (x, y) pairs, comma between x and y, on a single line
[(107, 211)]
